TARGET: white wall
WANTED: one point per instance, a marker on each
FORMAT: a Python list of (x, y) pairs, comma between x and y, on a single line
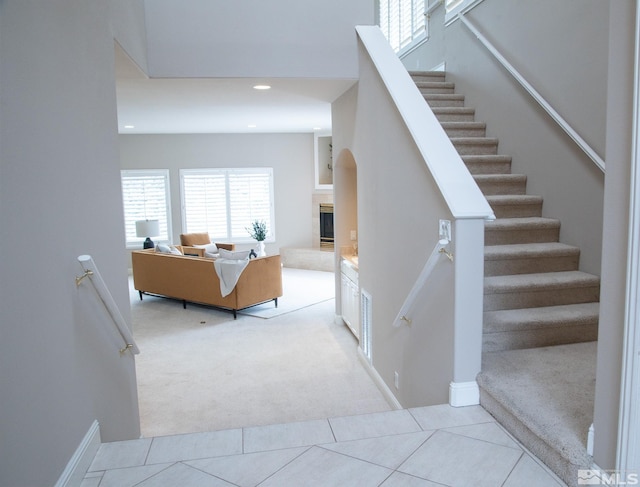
[(290, 156), (255, 38), (398, 207), (616, 224), (561, 49), (59, 198)]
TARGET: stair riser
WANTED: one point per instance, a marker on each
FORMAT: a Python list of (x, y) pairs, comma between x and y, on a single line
[(444, 101), (436, 90), (517, 210), (531, 265), (477, 149), (465, 132), (520, 235), (427, 77), (455, 117), (515, 186), (514, 340), (489, 167), (519, 299)]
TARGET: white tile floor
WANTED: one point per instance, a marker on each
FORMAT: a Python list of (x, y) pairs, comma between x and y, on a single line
[(420, 447)]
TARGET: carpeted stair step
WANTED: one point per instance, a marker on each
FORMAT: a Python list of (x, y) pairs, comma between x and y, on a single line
[(544, 397), (452, 100), (487, 164), (505, 231), (515, 206), (495, 184), (427, 75), (475, 145), (530, 258), (513, 329), (435, 87), (464, 129), (539, 290), (454, 114)]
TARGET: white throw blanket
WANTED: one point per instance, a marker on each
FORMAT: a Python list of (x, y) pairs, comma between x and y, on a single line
[(229, 272)]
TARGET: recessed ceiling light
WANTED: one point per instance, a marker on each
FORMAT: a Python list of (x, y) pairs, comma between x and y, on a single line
[(252, 125), (317, 128), (129, 126), (262, 87)]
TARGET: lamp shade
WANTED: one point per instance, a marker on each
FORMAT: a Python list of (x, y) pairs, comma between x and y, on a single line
[(147, 228)]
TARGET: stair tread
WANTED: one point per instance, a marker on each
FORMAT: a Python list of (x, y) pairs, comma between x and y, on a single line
[(509, 199), (453, 110), (508, 379), (500, 177), (515, 251), (528, 222), (474, 140), (443, 96), (543, 317), (453, 125), (416, 72), (435, 84), (486, 157), (543, 280)]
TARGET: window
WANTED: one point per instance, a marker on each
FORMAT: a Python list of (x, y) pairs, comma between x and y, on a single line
[(454, 7), (403, 22), (145, 196), (224, 202)]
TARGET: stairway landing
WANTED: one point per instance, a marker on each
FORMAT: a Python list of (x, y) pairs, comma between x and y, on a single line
[(418, 447)]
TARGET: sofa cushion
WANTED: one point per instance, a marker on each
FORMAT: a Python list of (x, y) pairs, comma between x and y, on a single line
[(195, 239)]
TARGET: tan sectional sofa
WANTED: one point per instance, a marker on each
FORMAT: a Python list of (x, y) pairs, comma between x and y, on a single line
[(194, 279)]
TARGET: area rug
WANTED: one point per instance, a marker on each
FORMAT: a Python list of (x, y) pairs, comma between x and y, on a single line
[(301, 288)]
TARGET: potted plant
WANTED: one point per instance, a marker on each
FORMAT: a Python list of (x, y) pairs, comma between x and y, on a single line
[(258, 231)]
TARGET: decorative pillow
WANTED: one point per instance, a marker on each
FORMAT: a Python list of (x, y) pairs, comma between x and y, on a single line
[(234, 255), (192, 239), (212, 255), (165, 249), (209, 248)]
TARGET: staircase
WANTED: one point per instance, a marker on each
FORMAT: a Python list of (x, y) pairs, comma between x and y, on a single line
[(540, 311)]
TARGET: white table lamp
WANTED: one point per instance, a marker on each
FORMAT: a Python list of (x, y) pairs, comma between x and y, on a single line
[(148, 228)]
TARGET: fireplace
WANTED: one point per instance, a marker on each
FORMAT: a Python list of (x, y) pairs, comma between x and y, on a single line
[(326, 225)]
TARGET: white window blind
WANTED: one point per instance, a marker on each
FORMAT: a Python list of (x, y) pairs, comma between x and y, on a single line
[(402, 22), (145, 196), (224, 202)]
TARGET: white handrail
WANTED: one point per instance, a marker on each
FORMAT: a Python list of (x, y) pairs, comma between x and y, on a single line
[(455, 183), (407, 306), (91, 271), (536, 96)]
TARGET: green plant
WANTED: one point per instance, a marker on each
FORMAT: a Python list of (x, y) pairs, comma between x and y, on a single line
[(258, 230)]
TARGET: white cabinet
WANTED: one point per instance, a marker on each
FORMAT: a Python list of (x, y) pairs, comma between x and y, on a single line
[(350, 294)]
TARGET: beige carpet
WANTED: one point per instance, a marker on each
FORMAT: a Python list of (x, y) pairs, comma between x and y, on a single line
[(201, 370)]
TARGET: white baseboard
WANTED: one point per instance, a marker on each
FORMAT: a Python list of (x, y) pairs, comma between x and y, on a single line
[(81, 459), (384, 389), (464, 394), (590, 439)]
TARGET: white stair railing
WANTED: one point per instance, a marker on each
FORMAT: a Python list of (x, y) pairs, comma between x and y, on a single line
[(564, 125), (91, 272), (403, 316)]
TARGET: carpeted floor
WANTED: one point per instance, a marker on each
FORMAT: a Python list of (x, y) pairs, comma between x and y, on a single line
[(201, 370)]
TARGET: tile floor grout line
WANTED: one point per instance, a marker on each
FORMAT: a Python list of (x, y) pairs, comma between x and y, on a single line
[(208, 473), (513, 468), (306, 449)]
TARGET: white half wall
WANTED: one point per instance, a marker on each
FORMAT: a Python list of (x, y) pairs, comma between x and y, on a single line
[(60, 197)]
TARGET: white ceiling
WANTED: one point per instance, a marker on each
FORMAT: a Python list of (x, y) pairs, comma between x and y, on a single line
[(229, 105)]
